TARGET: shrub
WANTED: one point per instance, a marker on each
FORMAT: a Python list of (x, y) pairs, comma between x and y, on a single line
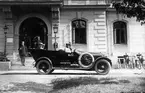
[(3, 57)]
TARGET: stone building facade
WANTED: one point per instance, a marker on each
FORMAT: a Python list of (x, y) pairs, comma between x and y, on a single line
[(89, 25)]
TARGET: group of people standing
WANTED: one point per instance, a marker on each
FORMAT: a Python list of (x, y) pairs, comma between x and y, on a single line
[(38, 43), (23, 51)]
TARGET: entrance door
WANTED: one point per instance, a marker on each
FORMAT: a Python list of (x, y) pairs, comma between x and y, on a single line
[(30, 28)]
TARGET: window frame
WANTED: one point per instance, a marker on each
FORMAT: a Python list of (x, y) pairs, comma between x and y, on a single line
[(74, 31), (124, 29)]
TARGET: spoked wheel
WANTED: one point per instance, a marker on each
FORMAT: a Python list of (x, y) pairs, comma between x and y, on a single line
[(143, 64), (138, 65), (131, 65), (44, 67), (102, 67), (86, 60)]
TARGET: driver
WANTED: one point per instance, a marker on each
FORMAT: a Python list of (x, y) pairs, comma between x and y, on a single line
[(68, 48)]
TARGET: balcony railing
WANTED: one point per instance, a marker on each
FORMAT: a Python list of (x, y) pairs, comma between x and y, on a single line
[(86, 2)]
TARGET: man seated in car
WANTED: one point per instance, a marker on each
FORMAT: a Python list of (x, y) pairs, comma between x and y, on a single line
[(68, 48)]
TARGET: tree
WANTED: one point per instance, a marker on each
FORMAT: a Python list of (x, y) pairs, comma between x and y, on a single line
[(131, 8)]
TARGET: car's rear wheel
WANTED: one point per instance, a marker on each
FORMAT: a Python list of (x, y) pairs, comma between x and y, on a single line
[(44, 67), (102, 67)]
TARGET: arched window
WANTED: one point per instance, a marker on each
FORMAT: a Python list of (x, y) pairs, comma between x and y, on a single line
[(79, 31), (120, 32)]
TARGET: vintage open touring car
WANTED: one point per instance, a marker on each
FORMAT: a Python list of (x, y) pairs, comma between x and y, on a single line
[(46, 61)]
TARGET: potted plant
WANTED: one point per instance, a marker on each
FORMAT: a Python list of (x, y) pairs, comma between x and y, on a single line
[(5, 63)]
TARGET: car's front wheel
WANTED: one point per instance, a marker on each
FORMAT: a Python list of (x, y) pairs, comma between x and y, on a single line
[(44, 67), (102, 67)]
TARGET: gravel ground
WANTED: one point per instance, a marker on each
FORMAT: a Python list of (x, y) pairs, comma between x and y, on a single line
[(102, 85), (61, 81), (78, 85)]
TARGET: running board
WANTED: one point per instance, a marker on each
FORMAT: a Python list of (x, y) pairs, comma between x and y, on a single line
[(70, 68)]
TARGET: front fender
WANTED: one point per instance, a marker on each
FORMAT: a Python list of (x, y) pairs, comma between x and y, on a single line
[(96, 60)]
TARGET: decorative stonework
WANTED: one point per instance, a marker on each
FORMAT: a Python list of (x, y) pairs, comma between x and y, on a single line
[(97, 35), (85, 2), (7, 11), (96, 27), (101, 23), (102, 46), (103, 16), (100, 31), (99, 20), (101, 39), (100, 13)]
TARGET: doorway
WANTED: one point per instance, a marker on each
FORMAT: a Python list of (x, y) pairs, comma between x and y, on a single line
[(31, 28)]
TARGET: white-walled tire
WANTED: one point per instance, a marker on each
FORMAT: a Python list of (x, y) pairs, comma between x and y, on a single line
[(44, 67), (102, 67)]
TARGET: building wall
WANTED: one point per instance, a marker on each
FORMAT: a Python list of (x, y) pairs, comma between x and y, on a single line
[(12, 37), (1, 32), (9, 35), (99, 31), (18, 22), (43, 17), (135, 36), (86, 2), (96, 29)]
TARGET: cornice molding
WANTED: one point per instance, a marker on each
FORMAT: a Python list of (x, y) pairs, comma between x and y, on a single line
[(31, 2), (85, 6)]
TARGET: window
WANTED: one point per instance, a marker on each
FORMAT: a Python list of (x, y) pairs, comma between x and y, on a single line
[(79, 31), (120, 32)]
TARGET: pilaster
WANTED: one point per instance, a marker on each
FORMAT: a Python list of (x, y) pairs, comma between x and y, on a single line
[(100, 33)]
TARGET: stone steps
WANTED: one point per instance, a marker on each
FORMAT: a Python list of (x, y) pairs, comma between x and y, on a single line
[(28, 64)]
